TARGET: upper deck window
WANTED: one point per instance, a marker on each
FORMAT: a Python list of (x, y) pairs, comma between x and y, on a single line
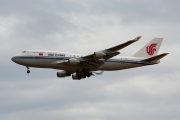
[(23, 51)]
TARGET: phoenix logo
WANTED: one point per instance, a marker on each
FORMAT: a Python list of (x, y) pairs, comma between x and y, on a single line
[(151, 49)]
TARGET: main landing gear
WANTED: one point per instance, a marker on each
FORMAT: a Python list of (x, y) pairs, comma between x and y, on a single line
[(28, 71), (87, 73)]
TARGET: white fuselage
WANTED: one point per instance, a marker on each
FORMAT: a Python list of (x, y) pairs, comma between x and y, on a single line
[(45, 59)]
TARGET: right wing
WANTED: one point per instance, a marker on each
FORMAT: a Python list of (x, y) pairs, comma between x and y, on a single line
[(94, 61), (110, 52)]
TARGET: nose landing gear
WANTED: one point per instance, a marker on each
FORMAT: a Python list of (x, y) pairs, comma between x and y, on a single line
[(28, 71)]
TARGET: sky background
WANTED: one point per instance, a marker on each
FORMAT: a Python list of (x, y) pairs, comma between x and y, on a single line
[(86, 26)]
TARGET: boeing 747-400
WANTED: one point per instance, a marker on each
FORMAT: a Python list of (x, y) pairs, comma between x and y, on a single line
[(81, 66)]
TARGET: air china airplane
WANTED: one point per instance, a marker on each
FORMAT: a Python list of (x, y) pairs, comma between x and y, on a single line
[(81, 66)]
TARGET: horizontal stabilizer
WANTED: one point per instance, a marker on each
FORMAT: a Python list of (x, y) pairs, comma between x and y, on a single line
[(155, 59)]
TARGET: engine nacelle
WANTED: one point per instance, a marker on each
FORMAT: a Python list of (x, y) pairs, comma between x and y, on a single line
[(73, 61), (62, 74), (99, 55), (76, 77)]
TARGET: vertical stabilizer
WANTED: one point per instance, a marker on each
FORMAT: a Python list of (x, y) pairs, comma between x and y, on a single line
[(149, 50)]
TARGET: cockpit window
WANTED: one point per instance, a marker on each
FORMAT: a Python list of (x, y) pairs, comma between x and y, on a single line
[(23, 51)]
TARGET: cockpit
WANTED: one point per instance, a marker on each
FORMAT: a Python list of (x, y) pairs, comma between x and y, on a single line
[(23, 51)]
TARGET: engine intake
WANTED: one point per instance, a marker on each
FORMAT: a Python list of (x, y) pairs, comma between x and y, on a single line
[(73, 61), (99, 55)]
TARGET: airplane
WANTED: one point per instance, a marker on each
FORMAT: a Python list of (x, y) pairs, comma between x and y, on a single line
[(81, 66)]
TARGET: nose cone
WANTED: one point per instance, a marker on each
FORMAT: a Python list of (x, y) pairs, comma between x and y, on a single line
[(15, 59), (18, 60)]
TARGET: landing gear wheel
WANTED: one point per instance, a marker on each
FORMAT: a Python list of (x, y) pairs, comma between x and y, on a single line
[(28, 71)]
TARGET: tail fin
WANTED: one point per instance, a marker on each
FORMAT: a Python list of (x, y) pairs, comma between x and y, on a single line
[(155, 59), (149, 50)]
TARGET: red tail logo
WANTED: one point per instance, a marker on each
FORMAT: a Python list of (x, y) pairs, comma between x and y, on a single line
[(151, 49)]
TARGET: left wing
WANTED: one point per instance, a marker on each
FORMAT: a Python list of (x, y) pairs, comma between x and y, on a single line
[(110, 52), (92, 62)]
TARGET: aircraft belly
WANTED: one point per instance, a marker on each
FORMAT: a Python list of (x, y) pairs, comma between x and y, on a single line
[(44, 63), (37, 63)]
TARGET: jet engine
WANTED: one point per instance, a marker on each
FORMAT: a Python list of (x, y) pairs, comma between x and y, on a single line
[(62, 74), (99, 55), (73, 61)]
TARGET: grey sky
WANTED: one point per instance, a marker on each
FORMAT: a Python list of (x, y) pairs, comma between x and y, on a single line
[(85, 26)]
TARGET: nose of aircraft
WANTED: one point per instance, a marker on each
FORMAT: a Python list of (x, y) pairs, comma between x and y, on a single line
[(17, 60), (13, 59)]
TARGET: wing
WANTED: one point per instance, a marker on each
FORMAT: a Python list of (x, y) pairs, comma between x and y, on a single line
[(110, 52), (91, 64), (93, 61)]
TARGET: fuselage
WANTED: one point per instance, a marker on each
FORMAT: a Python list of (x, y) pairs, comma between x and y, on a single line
[(45, 59), (81, 66)]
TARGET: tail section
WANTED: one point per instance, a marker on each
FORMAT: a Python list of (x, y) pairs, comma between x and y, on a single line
[(155, 59), (149, 50)]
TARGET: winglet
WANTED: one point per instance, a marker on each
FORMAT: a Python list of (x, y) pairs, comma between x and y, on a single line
[(137, 38)]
